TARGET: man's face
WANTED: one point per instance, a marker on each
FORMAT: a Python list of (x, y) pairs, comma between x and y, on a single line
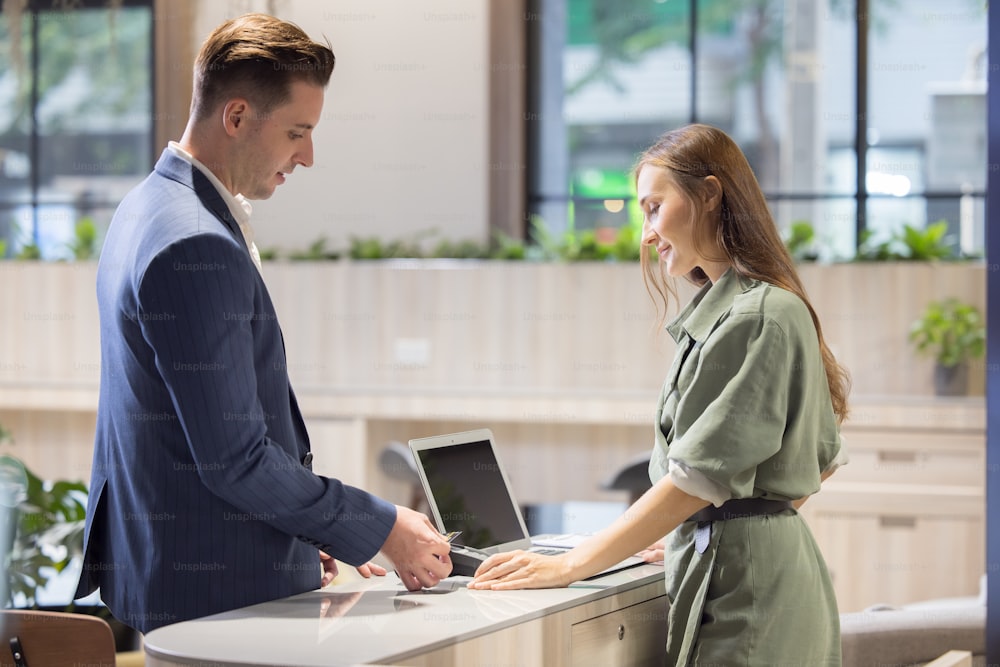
[(278, 142)]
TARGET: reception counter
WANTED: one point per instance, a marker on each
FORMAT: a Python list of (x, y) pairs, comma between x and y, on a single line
[(619, 619)]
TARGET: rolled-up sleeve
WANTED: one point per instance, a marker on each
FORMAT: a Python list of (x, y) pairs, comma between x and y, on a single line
[(733, 410)]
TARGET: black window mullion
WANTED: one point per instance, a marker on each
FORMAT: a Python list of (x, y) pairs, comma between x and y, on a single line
[(861, 119), (693, 47), (34, 139)]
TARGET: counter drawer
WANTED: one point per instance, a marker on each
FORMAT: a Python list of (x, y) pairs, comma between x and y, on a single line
[(629, 636)]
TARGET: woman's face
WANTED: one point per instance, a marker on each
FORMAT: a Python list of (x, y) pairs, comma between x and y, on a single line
[(668, 223)]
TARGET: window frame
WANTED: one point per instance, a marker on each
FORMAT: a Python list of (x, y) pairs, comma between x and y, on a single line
[(534, 197), (171, 62)]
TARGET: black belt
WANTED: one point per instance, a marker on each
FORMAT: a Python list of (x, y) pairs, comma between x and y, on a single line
[(740, 508)]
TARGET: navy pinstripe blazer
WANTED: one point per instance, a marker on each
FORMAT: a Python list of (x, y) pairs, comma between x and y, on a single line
[(202, 498)]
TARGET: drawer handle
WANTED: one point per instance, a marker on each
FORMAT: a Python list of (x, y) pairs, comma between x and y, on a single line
[(897, 521), (897, 457), (621, 632)]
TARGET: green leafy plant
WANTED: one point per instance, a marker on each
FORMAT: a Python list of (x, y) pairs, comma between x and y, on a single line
[(460, 250), (374, 248), (584, 246), (29, 251), (507, 247), (41, 533), (951, 331), (316, 251), (910, 243), (801, 241), (627, 244), (545, 247), (43, 523), (587, 245), (574, 246), (84, 243), (930, 243)]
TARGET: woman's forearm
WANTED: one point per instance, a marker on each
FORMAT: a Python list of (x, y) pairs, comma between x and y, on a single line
[(661, 509)]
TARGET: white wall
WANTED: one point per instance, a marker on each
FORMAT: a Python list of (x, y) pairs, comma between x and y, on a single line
[(402, 146)]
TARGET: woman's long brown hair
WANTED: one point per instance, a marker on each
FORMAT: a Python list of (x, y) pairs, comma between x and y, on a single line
[(746, 231)]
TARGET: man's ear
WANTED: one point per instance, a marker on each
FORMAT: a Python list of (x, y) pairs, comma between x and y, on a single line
[(712, 193), (235, 114)]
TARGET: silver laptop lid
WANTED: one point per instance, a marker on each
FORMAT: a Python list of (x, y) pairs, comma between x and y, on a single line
[(468, 490)]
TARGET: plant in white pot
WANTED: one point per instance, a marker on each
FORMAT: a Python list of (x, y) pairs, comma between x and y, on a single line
[(954, 333)]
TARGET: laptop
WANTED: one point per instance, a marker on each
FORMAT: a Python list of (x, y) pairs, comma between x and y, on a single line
[(468, 490)]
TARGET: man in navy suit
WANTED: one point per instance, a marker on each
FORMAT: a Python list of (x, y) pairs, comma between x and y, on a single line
[(202, 495)]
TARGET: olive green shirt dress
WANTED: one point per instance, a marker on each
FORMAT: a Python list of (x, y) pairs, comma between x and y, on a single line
[(745, 413)]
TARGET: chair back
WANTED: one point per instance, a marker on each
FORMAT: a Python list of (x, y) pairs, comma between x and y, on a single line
[(54, 639)]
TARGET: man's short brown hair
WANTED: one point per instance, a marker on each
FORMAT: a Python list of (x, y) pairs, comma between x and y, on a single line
[(256, 57)]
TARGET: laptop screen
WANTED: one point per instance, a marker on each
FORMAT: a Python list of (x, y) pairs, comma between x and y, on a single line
[(470, 493)]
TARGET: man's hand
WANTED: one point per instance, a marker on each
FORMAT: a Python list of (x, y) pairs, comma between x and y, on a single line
[(368, 569), (330, 569), (419, 553)]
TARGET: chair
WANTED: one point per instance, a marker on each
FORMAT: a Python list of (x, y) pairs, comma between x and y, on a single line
[(396, 461), (54, 639), (632, 477), (933, 633)]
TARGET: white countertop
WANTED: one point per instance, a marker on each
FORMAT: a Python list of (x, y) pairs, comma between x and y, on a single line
[(370, 621)]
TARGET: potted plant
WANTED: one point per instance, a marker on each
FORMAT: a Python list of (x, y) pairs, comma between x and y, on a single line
[(41, 534), (43, 527), (953, 332)]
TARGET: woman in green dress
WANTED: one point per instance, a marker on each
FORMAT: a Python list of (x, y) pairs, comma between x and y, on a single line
[(747, 427)]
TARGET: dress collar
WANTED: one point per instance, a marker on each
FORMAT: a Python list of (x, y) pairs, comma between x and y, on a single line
[(708, 306)]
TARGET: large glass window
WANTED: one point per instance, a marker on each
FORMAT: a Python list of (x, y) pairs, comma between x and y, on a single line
[(927, 117), (781, 76), (76, 120)]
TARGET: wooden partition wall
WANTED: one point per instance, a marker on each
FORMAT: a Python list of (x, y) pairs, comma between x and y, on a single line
[(564, 363)]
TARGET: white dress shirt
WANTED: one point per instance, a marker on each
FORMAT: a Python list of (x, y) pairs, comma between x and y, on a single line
[(238, 205)]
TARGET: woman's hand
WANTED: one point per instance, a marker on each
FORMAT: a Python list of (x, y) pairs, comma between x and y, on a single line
[(522, 569), (658, 512), (653, 553)]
